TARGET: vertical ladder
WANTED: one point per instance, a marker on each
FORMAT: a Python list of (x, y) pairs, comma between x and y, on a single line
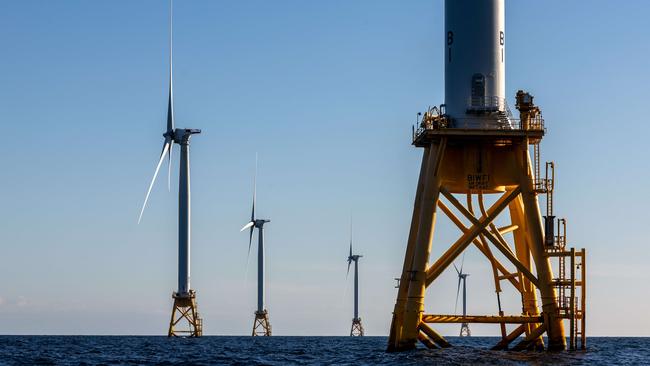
[(571, 306), (561, 244), (549, 185), (536, 157)]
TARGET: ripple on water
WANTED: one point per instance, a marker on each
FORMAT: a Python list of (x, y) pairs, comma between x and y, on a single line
[(91, 350)]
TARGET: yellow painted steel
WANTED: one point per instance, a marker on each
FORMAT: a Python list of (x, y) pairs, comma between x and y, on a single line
[(488, 319), (357, 328), (433, 335), (531, 338), (185, 311), (495, 272), (479, 225), (261, 324), (506, 274), (583, 300), (482, 162), (505, 341), (417, 276), (499, 243), (402, 292), (522, 249)]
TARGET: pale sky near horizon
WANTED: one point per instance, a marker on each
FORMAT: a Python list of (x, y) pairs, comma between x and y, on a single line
[(325, 92)]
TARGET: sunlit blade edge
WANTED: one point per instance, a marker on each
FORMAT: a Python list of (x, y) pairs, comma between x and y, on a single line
[(162, 157), (246, 226)]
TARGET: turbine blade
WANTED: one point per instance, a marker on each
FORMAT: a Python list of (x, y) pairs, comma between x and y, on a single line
[(250, 242), (349, 262), (457, 293), (253, 209), (162, 157), (250, 236), (247, 226), (462, 263), (254, 190), (350, 235), (251, 224), (456, 268), (170, 105), (169, 172)]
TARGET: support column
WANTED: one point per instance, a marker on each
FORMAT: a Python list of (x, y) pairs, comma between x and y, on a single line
[(416, 275), (356, 289), (554, 326), (260, 268), (185, 311), (572, 303), (522, 250), (261, 324), (184, 218), (357, 328), (395, 333), (583, 299)]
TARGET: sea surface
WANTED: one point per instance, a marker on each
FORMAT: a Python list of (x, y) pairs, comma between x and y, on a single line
[(221, 350)]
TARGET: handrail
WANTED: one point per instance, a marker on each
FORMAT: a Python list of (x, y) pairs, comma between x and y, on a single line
[(501, 118), (486, 103), (534, 124)]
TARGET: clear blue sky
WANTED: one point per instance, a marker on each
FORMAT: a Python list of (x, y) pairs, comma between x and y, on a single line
[(326, 92)]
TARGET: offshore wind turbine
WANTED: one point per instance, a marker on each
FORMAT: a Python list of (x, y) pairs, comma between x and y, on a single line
[(184, 297), (357, 327), (462, 277), (261, 323)]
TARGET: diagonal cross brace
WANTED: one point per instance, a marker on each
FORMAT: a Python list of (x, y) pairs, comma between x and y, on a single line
[(479, 226), (506, 274), (496, 238), (183, 315)]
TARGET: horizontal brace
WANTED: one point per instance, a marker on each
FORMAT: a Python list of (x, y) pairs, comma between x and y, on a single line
[(565, 283), (565, 253), (507, 229), (490, 319), (507, 276)]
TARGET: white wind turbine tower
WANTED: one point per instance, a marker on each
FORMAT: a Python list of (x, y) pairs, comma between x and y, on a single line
[(261, 323), (184, 298)]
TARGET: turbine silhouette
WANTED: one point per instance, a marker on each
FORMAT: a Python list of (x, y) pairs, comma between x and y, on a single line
[(357, 327), (462, 277), (261, 324)]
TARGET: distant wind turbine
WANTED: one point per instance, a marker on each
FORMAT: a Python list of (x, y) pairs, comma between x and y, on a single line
[(357, 327), (462, 277), (261, 324)]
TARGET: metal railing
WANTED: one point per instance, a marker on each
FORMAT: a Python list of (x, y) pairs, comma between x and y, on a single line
[(543, 185), (435, 118), (491, 103), (534, 124)]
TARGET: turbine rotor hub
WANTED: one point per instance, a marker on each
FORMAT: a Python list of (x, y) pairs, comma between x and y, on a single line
[(181, 135), (260, 222)]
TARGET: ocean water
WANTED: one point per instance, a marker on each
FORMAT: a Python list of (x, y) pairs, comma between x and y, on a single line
[(222, 350)]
